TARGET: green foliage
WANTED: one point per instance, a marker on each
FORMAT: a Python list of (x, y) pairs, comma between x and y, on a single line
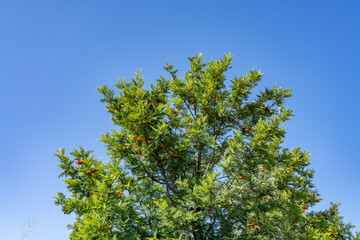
[(194, 158)]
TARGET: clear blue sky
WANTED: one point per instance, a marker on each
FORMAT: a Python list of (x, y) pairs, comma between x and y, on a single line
[(53, 54)]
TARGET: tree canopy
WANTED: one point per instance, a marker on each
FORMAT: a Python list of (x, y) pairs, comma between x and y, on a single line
[(196, 157)]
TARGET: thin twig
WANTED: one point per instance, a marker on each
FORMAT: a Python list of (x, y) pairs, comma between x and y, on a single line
[(209, 166), (252, 151), (188, 108), (147, 172), (167, 186)]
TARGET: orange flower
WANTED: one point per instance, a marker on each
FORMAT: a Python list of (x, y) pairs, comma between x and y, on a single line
[(305, 208), (127, 144), (135, 146), (252, 225), (202, 111), (118, 193), (175, 155), (261, 169), (330, 230), (162, 159), (187, 132), (139, 138), (267, 200), (80, 162), (139, 152), (177, 127), (134, 136), (88, 172), (190, 124), (174, 111), (246, 130), (95, 170)]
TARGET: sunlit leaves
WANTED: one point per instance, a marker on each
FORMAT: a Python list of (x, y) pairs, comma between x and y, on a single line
[(196, 157)]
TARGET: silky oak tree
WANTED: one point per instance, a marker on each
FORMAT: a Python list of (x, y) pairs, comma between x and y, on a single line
[(197, 157)]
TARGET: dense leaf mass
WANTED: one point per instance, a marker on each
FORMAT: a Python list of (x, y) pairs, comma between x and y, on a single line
[(195, 158)]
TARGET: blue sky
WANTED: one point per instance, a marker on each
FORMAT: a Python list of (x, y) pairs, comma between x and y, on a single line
[(53, 54)]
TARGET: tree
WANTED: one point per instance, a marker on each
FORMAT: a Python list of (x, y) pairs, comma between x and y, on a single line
[(194, 158)]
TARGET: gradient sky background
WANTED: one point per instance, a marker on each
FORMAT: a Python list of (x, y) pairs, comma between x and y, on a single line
[(53, 54)]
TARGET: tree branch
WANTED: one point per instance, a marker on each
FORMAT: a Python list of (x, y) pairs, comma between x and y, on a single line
[(209, 166), (229, 185), (199, 162), (147, 172), (188, 108)]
